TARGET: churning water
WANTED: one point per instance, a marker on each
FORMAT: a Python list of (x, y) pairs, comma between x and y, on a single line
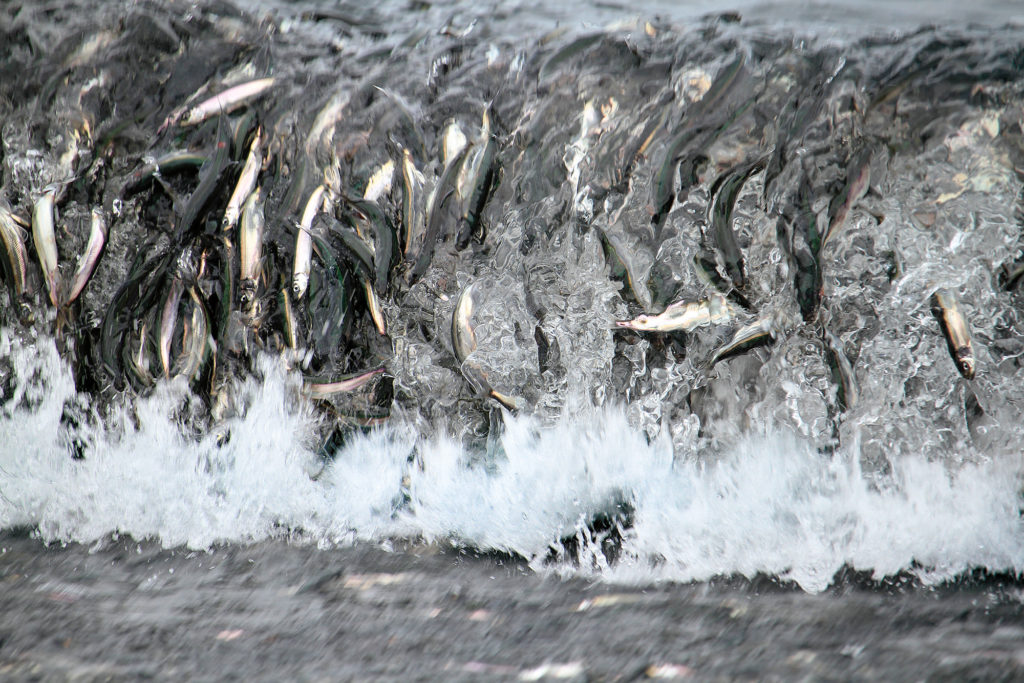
[(632, 456)]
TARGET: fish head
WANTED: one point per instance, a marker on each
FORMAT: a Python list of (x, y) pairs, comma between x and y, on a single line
[(299, 283), (965, 363)]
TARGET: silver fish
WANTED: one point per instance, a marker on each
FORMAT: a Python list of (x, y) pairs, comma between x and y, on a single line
[(250, 247), (463, 336), (464, 343), (246, 182), (351, 383), (14, 246), (762, 329), (957, 333), (168, 320), (45, 239), (684, 316), (304, 243), (376, 310), (87, 262), (858, 179), (195, 340), (379, 183), (848, 388), (412, 206), (227, 101)]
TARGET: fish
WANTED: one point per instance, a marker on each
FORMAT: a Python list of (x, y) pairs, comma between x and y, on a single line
[(453, 141), (376, 310), (473, 185), (760, 331), (624, 264), (323, 390), (445, 188), (728, 189), (168, 320), (412, 204), (379, 183), (14, 249), (370, 219), (209, 179), (246, 182), (700, 132), (87, 262), (684, 316), (45, 239), (168, 163), (251, 248), (304, 243), (848, 393), (858, 179), (227, 101), (464, 343), (463, 336), (195, 340), (954, 326)]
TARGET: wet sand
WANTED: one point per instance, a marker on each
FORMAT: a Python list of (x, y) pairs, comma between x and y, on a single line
[(275, 611)]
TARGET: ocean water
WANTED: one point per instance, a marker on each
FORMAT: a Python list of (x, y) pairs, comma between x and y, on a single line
[(628, 463)]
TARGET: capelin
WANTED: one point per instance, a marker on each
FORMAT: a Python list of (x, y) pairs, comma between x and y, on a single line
[(246, 182), (195, 340), (454, 141), (45, 239), (760, 331), (226, 102), (946, 309), (87, 262), (380, 182), (322, 390), (412, 210), (250, 237), (463, 336), (14, 248), (168, 320), (376, 310), (304, 243), (683, 316)]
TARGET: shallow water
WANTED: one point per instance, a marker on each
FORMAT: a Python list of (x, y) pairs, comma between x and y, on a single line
[(633, 459)]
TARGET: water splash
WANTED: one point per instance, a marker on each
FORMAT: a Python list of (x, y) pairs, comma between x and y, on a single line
[(772, 504)]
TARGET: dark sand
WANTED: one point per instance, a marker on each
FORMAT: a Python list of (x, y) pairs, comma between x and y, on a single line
[(274, 611)]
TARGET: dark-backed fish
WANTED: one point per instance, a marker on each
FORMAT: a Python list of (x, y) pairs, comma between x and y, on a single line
[(946, 309), (761, 331), (88, 260)]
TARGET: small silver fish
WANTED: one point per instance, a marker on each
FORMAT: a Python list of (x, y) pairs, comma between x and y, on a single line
[(379, 183), (762, 329), (412, 204), (250, 247), (227, 101), (463, 336), (351, 383), (168, 320), (45, 239), (954, 326), (376, 310), (87, 262), (304, 243), (14, 247), (246, 182), (684, 316), (464, 343)]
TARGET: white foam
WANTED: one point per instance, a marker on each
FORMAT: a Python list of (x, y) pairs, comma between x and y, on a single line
[(771, 505)]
